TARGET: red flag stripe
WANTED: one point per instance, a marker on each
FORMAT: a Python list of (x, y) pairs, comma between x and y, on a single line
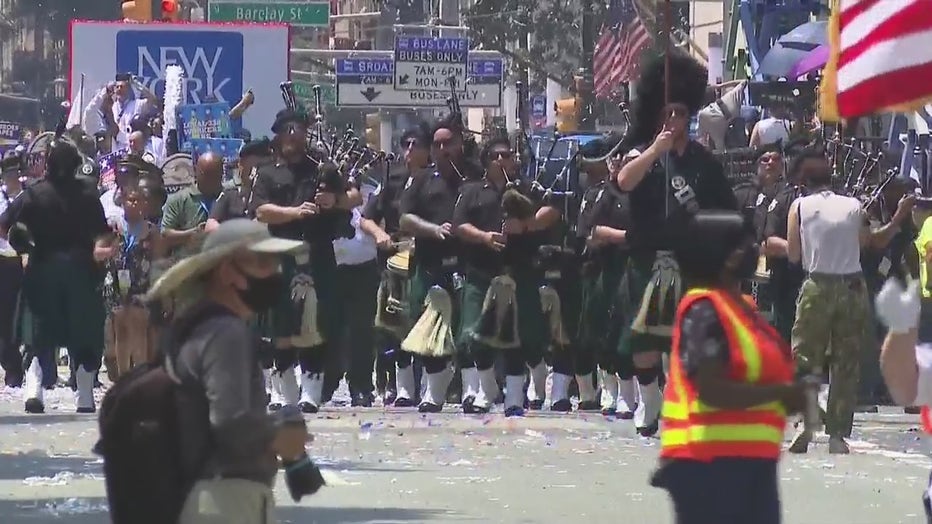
[(889, 26), (883, 57)]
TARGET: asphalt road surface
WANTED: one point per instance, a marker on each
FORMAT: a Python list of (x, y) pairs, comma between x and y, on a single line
[(397, 466)]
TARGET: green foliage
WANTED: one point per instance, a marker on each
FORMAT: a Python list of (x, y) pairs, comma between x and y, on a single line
[(556, 46)]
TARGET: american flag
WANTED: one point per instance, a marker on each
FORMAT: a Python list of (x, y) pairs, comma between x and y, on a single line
[(619, 48), (880, 58), (107, 164)]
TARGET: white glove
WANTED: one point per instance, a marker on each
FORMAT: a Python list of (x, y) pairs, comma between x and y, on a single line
[(897, 308)]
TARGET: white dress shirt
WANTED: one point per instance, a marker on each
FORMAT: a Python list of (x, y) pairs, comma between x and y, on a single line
[(5, 248), (112, 211), (123, 113), (357, 250)]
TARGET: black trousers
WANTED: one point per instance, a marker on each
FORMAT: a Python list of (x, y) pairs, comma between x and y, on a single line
[(722, 491), (354, 350), (11, 280)]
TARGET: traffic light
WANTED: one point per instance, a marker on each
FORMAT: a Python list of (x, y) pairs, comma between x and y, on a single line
[(373, 131), (137, 10), (171, 11), (567, 115)]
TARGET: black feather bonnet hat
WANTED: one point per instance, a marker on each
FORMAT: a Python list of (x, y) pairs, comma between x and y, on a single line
[(688, 81)]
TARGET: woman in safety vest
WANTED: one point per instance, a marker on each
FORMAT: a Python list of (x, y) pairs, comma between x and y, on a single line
[(731, 384)]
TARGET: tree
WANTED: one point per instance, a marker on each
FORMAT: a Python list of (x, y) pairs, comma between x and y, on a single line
[(556, 44)]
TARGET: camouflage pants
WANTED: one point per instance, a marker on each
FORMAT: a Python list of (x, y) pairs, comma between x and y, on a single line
[(831, 312)]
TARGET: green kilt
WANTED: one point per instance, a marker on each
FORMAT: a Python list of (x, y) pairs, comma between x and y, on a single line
[(600, 318), (633, 285), (570, 290), (531, 321), (62, 304), (285, 319), (420, 283)]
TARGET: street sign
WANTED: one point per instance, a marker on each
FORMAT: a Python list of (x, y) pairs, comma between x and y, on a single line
[(427, 63), (304, 14), (304, 90), (539, 106), (368, 82)]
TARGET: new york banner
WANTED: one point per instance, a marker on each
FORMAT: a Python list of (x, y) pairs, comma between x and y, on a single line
[(227, 148)]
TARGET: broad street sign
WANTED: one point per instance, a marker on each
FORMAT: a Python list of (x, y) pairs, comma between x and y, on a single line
[(368, 82), (305, 14), (429, 63)]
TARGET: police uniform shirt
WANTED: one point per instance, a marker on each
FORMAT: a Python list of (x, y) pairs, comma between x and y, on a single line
[(697, 181), (62, 217), (612, 208), (749, 195), (480, 204), (584, 220), (384, 204), (432, 198), (287, 186), (785, 277), (230, 204)]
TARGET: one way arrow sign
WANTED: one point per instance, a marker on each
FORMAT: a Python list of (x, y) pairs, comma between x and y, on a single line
[(403, 80), (370, 93)]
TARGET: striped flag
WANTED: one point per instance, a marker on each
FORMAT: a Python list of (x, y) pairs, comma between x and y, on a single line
[(107, 164), (880, 59), (619, 48)]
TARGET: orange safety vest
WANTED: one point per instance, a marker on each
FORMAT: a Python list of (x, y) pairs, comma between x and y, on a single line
[(757, 355), (925, 416)]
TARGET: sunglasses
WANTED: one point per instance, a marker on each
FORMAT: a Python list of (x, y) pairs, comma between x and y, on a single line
[(504, 155), (412, 143)]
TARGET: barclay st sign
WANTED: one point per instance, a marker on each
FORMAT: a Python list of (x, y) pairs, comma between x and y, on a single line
[(307, 14)]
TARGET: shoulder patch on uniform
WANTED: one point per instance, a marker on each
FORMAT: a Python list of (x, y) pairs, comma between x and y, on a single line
[(760, 199), (409, 182), (772, 206), (87, 169), (378, 189), (598, 195)]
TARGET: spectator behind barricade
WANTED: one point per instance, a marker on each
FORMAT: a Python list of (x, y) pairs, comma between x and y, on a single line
[(130, 340), (11, 278), (723, 108), (772, 129)]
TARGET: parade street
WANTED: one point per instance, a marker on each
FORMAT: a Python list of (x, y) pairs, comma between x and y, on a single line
[(399, 466)]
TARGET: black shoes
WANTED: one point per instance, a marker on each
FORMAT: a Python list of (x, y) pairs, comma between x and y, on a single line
[(362, 400)]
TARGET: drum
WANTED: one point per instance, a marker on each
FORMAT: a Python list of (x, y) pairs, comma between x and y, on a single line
[(178, 172), (397, 276), (393, 295)]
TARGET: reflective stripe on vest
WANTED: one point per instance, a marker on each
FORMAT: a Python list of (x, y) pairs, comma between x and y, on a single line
[(692, 429)]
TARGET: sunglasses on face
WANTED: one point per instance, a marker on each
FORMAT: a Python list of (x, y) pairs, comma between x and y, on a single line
[(768, 159), (504, 155), (411, 144)]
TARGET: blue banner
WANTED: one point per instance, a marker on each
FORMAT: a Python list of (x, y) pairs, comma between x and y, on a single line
[(10, 133), (203, 121), (227, 148), (107, 165), (212, 61)]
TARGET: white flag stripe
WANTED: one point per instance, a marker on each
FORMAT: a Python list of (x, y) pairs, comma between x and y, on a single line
[(885, 57), (868, 21)]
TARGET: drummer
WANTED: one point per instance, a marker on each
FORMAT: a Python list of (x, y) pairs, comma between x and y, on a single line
[(755, 196), (380, 219), (426, 209)]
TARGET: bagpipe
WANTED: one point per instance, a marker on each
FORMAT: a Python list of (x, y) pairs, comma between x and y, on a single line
[(352, 160)]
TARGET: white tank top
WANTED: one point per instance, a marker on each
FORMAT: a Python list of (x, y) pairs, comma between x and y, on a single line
[(830, 228), (771, 129)]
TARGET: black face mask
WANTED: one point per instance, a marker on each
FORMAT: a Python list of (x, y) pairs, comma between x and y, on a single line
[(747, 266), (262, 293)]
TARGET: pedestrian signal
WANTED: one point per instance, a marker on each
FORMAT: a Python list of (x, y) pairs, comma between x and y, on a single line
[(567, 115)]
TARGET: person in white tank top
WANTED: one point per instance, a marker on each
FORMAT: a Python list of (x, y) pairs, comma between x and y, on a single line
[(825, 234), (771, 130)]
